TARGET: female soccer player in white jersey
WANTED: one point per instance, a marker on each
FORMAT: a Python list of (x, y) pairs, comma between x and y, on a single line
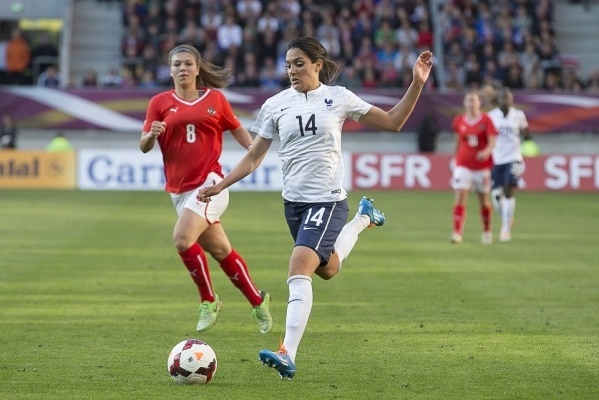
[(508, 164), (188, 124), (308, 118)]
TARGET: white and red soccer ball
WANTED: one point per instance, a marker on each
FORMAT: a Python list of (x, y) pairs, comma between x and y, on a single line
[(192, 361)]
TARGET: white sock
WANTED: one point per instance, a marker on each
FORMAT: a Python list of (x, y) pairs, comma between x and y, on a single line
[(298, 312), (349, 236), (508, 210)]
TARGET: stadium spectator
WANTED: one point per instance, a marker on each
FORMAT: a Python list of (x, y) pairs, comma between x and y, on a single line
[(50, 78), (190, 107), (90, 78), (229, 35), (248, 76), (268, 20), (571, 82), (406, 35), (475, 137), (405, 57), (269, 78), (147, 80), (513, 78), (592, 84), (133, 42), (248, 10), (113, 78), (369, 77), (8, 132), (18, 56), (454, 76), (425, 37), (135, 8), (349, 77), (44, 53), (508, 164), (473, 78), (210, 20), (192, 34), (313, 174)]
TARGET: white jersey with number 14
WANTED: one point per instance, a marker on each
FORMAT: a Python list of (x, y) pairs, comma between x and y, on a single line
[(309, 128)]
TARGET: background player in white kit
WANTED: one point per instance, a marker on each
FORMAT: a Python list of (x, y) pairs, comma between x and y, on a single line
[(508, 164), (308, 118)]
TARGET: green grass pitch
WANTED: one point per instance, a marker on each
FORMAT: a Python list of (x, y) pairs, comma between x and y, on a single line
[(93, 297)]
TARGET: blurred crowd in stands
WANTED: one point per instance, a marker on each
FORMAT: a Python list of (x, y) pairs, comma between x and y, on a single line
[(377, 41), (505, 43), (500, 42)]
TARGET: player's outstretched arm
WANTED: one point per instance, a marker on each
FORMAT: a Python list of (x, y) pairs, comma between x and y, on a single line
[(394, 119), (244, 167)]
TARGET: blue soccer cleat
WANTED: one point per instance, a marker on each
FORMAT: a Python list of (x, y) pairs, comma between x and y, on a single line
[(279, 361), (366, 207)]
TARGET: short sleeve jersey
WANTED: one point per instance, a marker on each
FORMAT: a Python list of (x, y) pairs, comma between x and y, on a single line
[(192, 142), (507, 146), (473, 136), (309, 128)]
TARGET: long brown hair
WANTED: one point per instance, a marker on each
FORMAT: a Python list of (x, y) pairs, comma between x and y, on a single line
[(316, 51), (210, 75)]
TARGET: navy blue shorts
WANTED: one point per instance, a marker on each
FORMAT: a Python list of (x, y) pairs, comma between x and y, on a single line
[(316, 225), (507, 174)]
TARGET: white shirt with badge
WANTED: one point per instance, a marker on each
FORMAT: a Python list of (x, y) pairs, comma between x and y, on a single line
[(309, 128), (507, 144)]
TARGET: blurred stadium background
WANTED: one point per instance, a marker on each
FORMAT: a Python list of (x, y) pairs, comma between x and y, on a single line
[(92, 65)]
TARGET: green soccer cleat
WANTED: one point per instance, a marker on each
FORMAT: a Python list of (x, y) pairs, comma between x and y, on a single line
[(366, 207), (208, 312), (261, 313)]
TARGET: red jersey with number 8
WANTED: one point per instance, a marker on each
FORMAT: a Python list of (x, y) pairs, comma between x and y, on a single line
[(192, 142), (473, 136)]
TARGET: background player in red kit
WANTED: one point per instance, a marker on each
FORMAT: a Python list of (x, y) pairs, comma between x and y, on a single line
[(188, 123), (475, 138)]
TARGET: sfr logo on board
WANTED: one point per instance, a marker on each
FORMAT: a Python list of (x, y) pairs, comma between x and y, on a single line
[(580, 172), (433, 172), (400, 171)]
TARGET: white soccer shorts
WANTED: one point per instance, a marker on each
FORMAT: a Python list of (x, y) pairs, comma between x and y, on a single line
[(467, 179), (210, 211)]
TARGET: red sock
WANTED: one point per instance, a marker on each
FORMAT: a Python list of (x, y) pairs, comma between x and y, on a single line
[(485, 213), (237, 272), (195, 261), (459, 215)]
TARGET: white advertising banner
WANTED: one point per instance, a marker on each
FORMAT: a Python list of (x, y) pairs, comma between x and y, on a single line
[(123, 169)]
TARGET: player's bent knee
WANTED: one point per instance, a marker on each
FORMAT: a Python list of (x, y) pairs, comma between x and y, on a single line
[(182, 244)]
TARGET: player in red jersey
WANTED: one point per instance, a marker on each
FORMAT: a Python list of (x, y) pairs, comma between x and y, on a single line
[(188, 124), (475, 138)]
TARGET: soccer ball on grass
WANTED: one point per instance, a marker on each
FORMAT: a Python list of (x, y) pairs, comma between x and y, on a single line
[(192, 361)]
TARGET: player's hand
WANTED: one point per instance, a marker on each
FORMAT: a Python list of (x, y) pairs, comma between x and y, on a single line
[(482, 155), (206, 193), (157, 128), (423, 66)]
